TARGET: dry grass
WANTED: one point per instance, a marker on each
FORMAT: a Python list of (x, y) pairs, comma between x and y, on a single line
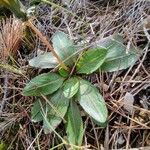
[(86, 23), (11, 34)]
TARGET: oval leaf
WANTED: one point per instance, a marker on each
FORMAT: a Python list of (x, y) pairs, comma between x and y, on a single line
[(92, 102), (120, 62), (64, 47), (55, 111), (117, 58), (74, 125), (46, 60), (91, 60), (71, 87), (45, 84), (111, 41)]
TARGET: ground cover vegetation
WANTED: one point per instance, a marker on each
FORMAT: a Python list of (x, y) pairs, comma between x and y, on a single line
[(74, 74)]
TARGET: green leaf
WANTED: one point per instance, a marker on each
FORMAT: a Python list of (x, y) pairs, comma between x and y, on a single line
[(45, 84), (64, 73), (117, 58), (36, 110), (46, 60), (109, 41), (92, 102), (55, 111), (64, 47), (114, 45), (120, 62), (74, 125), (100, 124), (91, 60), (71, 87)]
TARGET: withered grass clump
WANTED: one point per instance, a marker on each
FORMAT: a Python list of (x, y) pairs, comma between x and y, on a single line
[(11, 34)]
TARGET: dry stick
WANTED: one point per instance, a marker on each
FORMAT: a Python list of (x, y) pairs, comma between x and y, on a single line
[(140, 148), (46, 42), (129, 132), (64, 142), (137, 69), (5, 94), (106, 142), (96, 137), (139, 123), (34, 140), (53, 107)]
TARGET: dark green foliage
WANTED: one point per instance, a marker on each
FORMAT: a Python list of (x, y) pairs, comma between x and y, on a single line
[(74, 125), (66, 89), (91, 60), (45, 84)]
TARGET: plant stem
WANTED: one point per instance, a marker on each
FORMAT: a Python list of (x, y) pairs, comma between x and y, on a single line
[(46, 42)]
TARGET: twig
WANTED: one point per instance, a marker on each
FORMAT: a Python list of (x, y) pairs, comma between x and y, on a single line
[(46, 42), (5, 94), (140, 148)]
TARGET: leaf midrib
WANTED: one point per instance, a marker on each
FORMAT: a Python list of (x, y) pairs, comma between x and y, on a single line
[(42, 85)]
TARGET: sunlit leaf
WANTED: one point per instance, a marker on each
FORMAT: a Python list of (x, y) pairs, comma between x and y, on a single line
[(92, 102), (46, 60), (118, 57), (71, 87), (64, 47), (120, 62), (91, 60), (45, 84)]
